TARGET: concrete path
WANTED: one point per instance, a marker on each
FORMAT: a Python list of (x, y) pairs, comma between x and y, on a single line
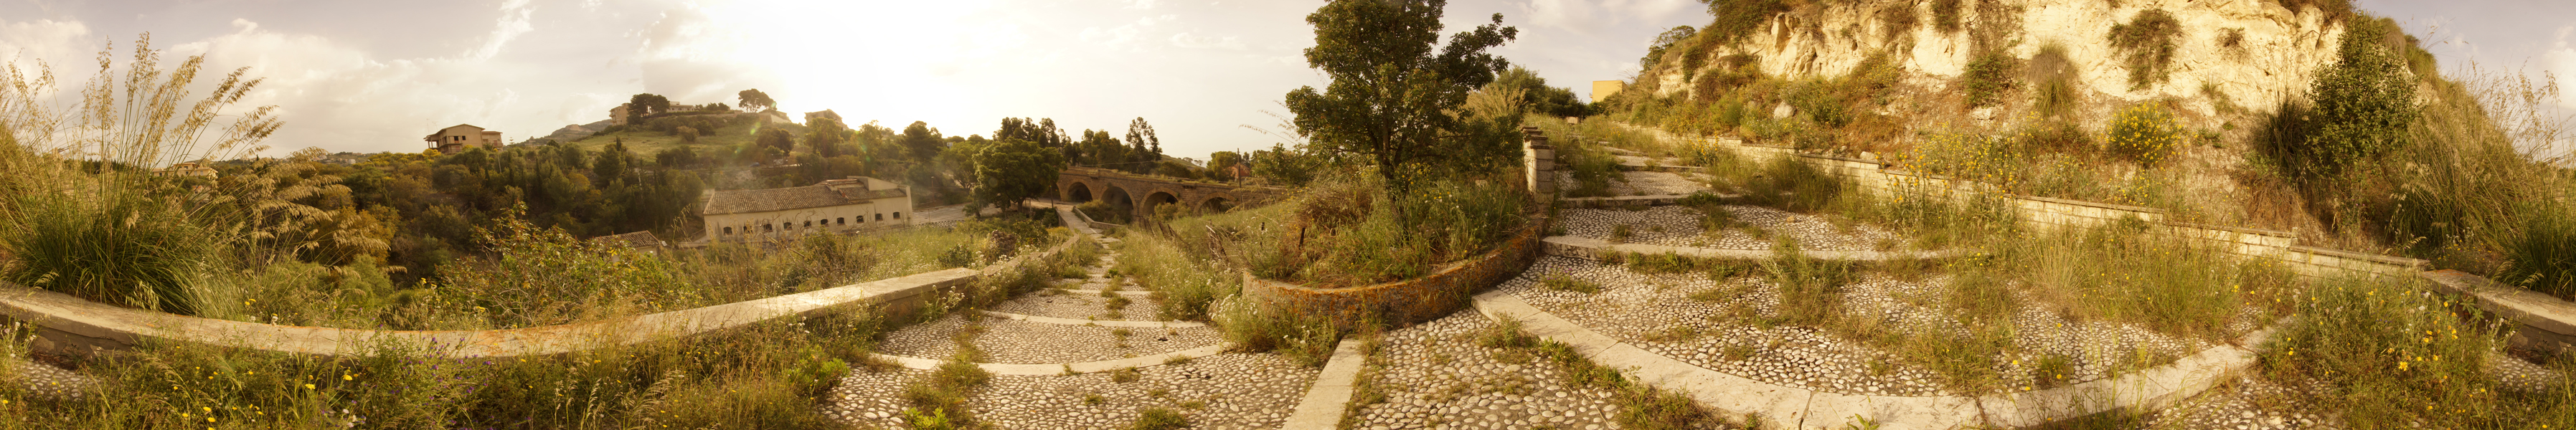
[(1325, 402), (1102, 323), (1012, 369), (1592, 249)]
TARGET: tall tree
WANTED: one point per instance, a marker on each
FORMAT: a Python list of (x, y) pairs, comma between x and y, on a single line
[(1392, 83), (823, 138), (648, 104), (1141, 140), (922, 142), (755, 101), (1101, 149), (1012, 170)]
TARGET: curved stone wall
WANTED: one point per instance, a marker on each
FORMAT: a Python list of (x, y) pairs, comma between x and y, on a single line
[(1445, 290), (69, 325)]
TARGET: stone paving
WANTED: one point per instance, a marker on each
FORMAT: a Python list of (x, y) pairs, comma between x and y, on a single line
[(1754, 227), (1223, 391), (1226, 391), (46, 381), (1720, 330), (1437, 377)]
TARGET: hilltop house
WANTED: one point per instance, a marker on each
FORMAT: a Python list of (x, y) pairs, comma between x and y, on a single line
[(456, 139), (836, 205)]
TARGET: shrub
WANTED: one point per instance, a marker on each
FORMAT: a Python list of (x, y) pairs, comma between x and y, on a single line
[(1737, 19), (1309, 341), (2144, 133), (1945, 15), (2363, 105), (2052, 76), (2147, 43), (115, 247), (1989, 77)]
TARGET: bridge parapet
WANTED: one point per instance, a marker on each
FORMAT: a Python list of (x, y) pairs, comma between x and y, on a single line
[(1144, 193)]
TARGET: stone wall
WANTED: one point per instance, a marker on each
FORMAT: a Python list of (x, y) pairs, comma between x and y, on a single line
[(69, 325), (1446, 290)]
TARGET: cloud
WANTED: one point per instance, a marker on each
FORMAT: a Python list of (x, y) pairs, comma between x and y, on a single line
[(1121, 36), (514, 22), (1186, 40), (1140, 4)]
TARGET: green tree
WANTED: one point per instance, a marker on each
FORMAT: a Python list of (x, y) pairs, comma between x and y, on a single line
[(1393, 84), (1655, 52), (1012, 170), (1220, 162), (922, 142), (1141, 143), (755, 101), (2364, 104), (1539, 97), (648, 104), (774, 142), (823, 137)]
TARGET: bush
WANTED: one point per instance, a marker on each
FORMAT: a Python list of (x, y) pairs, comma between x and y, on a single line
[(2144, 133), (1737, 19), (2052, 76), (2363, 105), (2147, 43), (115, 247), (1945, 15), (1989, 76)]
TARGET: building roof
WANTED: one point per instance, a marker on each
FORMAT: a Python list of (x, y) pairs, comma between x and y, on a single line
[(829, 193)]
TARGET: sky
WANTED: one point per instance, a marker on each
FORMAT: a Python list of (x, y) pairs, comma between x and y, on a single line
[(371, 76)]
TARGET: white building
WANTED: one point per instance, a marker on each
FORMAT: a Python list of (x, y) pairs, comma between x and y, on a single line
[(836, 205)]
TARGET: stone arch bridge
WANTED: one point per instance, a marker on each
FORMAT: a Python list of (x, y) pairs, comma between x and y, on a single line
[(1142, 194)]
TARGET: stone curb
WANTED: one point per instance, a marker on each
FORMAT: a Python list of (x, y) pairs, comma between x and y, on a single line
[(2545, 320), (1102, 323), (1810, 409), (1052, 369), (1591, 249), (1325, 403)]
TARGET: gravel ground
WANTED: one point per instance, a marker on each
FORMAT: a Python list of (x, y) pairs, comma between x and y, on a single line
[(1657, 313), (1060, 304), (1257, 392), (1680, 226), (1023, 342), (1437, 377)]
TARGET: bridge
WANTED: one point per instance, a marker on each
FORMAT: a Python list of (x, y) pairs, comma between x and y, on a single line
[(1127, 190)]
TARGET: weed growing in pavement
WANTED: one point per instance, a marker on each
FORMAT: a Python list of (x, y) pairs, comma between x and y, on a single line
[(1565, 283), (2389, 355), (1159, 419), (1645, 406)]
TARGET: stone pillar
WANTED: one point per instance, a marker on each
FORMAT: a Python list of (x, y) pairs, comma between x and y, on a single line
[(1538, 164)]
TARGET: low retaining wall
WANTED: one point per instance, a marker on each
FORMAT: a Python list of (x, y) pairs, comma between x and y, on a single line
[(2544, 322), (69, 325), (1593, 249), (1446, 290)]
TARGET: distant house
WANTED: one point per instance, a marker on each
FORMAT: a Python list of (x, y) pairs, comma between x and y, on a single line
[(456, 139), (1602, 90), (836, 205), (618, 115)]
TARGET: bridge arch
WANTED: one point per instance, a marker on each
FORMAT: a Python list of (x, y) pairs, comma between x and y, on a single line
[(1216, 203), (1077, 192), (1156, 201)]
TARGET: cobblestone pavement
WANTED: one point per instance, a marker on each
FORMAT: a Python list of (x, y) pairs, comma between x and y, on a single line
[(1064, 304), (1754, 227), (1436, 377), (1723, 329), (1026, 342), (1225, 391), (2243, 403), (46, 381)]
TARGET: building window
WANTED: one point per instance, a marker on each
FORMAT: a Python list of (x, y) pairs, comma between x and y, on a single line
[(842, 220), (766, 228), (728, 230), (898, 215), (809, 223)]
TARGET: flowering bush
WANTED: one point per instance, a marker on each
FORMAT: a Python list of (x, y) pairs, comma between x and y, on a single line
[(2144, 133)]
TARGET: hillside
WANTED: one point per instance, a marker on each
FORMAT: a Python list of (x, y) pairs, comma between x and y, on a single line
[(646, 142)]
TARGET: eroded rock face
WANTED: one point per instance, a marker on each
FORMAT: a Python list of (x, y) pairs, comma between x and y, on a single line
[(2279, 53)]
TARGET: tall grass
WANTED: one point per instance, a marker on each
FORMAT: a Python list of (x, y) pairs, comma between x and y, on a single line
[(2389, 355), (1344, 232), (117, 248)]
